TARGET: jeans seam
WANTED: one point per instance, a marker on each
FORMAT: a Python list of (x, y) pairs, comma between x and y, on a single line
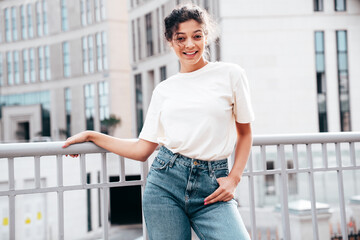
[(197, 231)]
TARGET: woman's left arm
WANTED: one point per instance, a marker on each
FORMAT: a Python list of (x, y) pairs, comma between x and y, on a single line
[(227, 185)]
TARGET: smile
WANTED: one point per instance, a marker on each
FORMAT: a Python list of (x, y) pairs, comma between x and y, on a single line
[(190, 53)]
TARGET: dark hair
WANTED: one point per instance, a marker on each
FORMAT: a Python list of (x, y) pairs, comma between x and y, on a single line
[(185, 13)]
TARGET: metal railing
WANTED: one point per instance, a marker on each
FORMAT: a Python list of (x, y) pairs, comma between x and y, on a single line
[(37, 150)]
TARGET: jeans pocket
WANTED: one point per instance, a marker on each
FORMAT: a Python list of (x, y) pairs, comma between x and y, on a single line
[(222, 172), (159, 164)]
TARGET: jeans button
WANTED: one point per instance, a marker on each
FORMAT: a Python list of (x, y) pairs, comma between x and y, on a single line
[(196, 163)]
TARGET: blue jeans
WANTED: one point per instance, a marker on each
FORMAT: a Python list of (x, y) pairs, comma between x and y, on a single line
[(173, 200)]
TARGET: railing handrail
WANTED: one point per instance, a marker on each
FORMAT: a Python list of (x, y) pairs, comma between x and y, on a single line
[(306, 138), (54, 148), (46, 149)]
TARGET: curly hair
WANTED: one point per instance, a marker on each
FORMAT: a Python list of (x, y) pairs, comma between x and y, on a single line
[(185, 13)]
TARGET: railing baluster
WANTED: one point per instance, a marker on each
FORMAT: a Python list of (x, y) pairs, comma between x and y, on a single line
[(263, 156), (105, 197), (252, 198), (122, 169), (144, 172), (295, 156), (37, 171), (353, 163), (324, 155), (352, 154), (11, 198), (341, 192), (284, 192), (82, 170), (60, 195), (312, 192)]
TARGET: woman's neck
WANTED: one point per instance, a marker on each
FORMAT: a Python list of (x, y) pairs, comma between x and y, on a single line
[(185, 68)]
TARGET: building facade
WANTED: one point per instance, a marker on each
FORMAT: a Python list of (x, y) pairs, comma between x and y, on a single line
[(58, 75)]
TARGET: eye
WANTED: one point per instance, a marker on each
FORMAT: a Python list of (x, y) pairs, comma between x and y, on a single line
[(180, 39), (198, 37)]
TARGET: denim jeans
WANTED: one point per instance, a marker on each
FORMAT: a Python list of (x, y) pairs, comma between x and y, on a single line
[(173, 200)]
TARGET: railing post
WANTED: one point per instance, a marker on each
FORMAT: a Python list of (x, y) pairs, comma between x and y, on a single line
[(60, 194), (284, 193), (312, 192), (144, 172), (252, 199), (341, 192), (11, 198), (105, 197)]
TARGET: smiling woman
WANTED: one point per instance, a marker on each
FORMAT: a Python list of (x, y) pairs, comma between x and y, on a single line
[(196, 116)]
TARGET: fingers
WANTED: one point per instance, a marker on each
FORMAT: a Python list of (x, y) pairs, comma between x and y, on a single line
[(220, 195), (72, 155)]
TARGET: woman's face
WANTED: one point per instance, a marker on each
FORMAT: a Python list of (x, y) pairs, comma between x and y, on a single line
[(189, 43)]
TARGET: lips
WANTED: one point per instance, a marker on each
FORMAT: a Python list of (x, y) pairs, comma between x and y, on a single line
[(190, 53)]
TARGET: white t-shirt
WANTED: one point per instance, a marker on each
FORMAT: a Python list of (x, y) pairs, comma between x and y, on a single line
[(194, 113)]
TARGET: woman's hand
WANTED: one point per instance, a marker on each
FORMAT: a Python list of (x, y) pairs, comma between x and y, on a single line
[(77, 138), (225, 191)]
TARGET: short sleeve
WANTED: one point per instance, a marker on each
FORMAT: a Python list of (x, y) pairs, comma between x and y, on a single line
[(151, 127), (242, 108)]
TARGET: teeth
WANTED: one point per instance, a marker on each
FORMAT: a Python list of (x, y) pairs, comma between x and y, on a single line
[(190, 53)]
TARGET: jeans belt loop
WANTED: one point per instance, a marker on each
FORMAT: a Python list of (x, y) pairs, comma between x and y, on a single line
[(210, 169), (172, 160)]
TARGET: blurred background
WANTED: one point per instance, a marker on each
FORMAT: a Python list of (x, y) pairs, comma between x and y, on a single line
[(73, 65)]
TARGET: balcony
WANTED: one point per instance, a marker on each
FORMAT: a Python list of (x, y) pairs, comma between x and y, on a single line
[(305, 185)]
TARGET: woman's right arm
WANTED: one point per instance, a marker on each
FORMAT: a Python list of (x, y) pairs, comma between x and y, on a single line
[(137, 149)]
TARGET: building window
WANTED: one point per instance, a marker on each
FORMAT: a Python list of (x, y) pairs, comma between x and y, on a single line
[(47, 63), (139, 103), (38, 19), (32, 65), (14, 23), (9, 62), (163, 73), (85, 55), (104, 50), (91, 53), (25, 55), (64, 16), (89, 106), (66, 59), (139, 37), (16, 67), (29, 21), (41, 64), (45, 18), (149, 37), (7, 25), (318, 5), (98, 52), (23, 22), (321, 80), (83, 13), (104, 106), (340, 5), (97, 11), (343, 80), (102, 9), (133, 40), (1, 70), (68, 111), (88, 11)]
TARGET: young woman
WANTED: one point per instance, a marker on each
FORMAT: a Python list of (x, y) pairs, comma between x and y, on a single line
[(196, 116)]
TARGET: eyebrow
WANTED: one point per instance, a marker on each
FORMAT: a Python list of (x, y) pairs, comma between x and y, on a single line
[(199, 30)]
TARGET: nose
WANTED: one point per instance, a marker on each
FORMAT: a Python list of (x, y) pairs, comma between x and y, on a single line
[(189, 43)]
